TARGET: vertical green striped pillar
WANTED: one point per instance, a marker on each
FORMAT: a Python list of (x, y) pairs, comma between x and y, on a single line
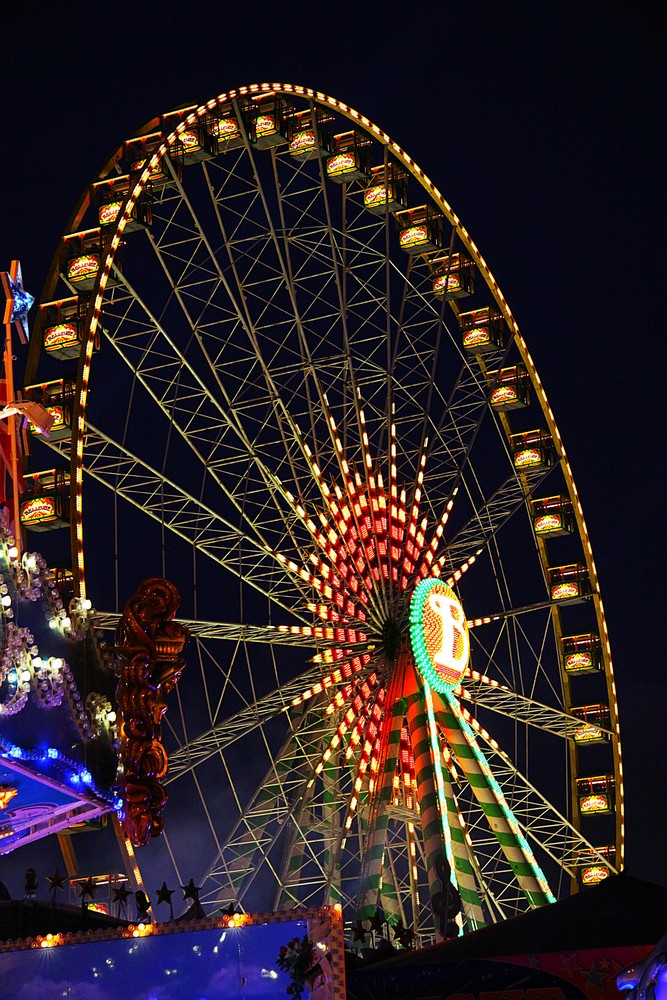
[(432, 830), (371, 879)]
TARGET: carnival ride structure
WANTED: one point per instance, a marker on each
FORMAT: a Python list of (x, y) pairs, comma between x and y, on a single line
[(293, 387)]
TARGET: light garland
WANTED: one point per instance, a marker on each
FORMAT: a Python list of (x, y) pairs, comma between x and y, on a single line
[(78, 774)]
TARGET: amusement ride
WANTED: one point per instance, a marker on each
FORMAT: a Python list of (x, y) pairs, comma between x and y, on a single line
[(283, 377)]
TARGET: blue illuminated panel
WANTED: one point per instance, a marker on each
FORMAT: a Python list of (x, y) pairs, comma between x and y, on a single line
[(229, 963)]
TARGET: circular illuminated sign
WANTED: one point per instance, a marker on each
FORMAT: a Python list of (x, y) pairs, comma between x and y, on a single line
[(438, 634)]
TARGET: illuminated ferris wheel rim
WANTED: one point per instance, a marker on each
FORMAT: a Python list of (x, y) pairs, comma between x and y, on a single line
[(318, 99), (355, 117)]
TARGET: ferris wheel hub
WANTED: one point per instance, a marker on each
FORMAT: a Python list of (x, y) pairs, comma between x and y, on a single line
[(392, 636)]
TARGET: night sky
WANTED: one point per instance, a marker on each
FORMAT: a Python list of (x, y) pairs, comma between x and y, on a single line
[(543, 126)]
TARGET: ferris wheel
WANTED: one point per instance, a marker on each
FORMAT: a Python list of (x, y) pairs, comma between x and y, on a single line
[(297, 391)]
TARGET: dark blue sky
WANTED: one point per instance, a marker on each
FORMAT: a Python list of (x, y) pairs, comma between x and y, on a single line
[(541, 123)]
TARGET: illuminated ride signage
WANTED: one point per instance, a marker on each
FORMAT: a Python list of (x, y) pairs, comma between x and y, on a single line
[(438, 634)]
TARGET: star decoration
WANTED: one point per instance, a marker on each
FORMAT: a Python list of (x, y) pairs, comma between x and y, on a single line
[(18, 301), (399, 930), (56, 882), (377, 922), (164, 895), (121, 894), (593, 977), (359, 932), (229, 912), (191, 891), (87, 888)]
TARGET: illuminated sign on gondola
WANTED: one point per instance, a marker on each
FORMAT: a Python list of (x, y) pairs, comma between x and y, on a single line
[(37, 510), (303, 142), (439, 634), (83, 267), (59, 335), (226, 128), (107, 214), (377, 194)]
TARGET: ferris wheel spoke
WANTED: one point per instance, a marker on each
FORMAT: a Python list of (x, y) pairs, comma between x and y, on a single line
[(241, 724), (271, 809), (272, 635), (182, 514), (491, 516), (480, 690), (252, 327), (541, 821), (209, 422), (461, 737)]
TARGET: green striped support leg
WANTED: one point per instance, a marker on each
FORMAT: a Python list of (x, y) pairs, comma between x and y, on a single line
[(491, 799)]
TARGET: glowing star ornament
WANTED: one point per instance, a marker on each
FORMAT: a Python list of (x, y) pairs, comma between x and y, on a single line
[(17, 300), (438, 634)]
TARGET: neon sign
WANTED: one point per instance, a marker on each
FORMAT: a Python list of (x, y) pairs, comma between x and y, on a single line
[(439, 634), (478, 335), (265, 125), (561, 591), (303, 142), (594, 804), (226, 128)]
